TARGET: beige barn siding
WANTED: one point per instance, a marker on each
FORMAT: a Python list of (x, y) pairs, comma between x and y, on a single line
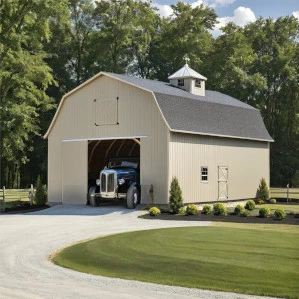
[(54, 168), (74, 171), (247, 162), (138, 116)]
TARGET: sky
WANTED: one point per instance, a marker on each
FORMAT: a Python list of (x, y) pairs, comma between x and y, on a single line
[(240, 12)]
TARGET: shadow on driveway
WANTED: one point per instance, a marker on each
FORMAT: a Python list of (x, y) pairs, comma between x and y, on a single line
[(82, 210)]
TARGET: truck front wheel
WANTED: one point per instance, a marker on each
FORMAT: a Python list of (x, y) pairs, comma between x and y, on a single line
[(132, 197), (92, 197)]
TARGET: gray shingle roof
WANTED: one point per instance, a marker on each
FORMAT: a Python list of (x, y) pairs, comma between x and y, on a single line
[(213, 114)]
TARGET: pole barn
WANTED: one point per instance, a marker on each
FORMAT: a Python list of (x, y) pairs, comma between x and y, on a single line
[(217, 146)]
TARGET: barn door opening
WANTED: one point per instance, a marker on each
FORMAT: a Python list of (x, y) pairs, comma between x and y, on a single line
[(222, 182), (101, 151)]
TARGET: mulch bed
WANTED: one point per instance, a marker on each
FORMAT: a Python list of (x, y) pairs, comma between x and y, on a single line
[(24, 209), (290, 219)]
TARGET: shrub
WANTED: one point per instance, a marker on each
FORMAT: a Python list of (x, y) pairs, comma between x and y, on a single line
[(40, 196), (154, 211), (250, 205), (263, 190), (259, 201), (192, 210), (207, 209), (175, 197), (239, 209), (182, 211), (280, 214), (219, 209), (272, 200), (264, 212), (245, 213)]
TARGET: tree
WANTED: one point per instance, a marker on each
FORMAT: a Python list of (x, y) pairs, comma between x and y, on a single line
[(24, 75), (114, 37), (146, 23), (263, 190), (229, 64), (275, 43), (83, 23), (258, 64), (40, 196), (185, 32), (175, 197)]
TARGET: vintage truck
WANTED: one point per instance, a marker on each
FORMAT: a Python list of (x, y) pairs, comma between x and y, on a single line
[(119, 180)]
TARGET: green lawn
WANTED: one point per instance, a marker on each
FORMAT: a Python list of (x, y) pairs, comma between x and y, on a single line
[(251, 259), (15, 194), (282, 193), (288, 208)]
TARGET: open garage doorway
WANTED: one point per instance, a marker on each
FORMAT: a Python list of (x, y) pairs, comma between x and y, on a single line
[(100, 151), (114, 171)]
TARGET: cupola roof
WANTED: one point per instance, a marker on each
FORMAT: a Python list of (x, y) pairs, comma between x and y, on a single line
[(186, 72)]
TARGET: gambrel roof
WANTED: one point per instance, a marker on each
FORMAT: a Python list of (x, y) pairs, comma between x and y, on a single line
[(214, 114)]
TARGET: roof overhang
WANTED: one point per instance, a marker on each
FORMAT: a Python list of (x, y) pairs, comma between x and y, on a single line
[(221, 136)]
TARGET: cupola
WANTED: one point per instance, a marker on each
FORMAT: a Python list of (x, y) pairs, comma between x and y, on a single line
[(188, 79)]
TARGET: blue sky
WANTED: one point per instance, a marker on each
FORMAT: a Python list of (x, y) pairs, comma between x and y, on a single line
[(240, 12), (264, 8)]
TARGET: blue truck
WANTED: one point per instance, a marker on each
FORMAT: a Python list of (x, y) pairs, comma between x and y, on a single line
[(120, 179)]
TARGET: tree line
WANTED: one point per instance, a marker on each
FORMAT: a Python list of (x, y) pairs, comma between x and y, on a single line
[(49, 47)]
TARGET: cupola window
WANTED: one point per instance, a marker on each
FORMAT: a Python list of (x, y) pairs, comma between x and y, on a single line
[(198, 83), (181, 82)]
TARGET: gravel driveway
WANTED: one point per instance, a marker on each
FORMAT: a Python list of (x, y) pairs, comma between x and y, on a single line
[(28, 239)]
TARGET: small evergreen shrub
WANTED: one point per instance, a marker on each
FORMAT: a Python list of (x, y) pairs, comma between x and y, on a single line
[(192, 210), (264, 212), (272, 200), (175, 197), (280, 214), (239, 209), (245, 213), (263, 190), (219, 209), (250, 205), (182, 211), (207, 209), (154, 211), (259, 201), (40, 196)]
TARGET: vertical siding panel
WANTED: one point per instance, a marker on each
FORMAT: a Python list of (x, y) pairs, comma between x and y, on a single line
[(247, 163)]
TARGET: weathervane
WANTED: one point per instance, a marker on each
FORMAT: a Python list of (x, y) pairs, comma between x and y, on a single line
[(186, 58)]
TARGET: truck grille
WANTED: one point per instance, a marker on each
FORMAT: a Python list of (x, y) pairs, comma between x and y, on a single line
[(107, 182), (110, 185)]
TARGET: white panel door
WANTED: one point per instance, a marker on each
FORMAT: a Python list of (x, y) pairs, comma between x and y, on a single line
[(74, 172), (222, 182)]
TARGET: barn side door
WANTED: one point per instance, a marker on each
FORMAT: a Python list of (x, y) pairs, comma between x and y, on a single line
[(222, 182), (74, 172)]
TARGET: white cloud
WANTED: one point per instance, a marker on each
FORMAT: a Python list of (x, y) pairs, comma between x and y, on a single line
[(166, 10), (163, 10), (242, 16), (296, 14), (222, 2), (196, 3)]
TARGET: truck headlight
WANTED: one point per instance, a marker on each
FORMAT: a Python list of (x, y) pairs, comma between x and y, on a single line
[(98, 182), (121, 181)]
